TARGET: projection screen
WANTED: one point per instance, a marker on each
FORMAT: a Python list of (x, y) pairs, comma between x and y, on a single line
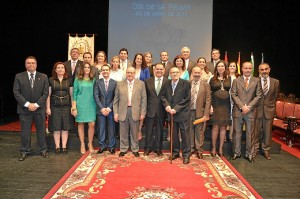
[(160, 25)]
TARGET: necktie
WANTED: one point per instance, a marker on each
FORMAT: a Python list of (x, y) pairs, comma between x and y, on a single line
[(73, 66), (158, 86), (122, 65), (31, 79), (193, 95), (129, 93), (265, 86), (173, 87), (246, 82), (106, 85)]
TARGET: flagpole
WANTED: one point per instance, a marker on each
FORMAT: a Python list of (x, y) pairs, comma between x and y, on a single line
[(239, 64)]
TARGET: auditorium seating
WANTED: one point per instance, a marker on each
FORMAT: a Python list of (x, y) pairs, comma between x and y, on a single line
[(287, 119)]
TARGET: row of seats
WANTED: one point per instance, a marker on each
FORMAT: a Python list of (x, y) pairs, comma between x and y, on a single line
[(288, 119)]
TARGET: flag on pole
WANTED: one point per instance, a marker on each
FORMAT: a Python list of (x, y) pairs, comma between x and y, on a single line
[(262, 58), (239, 63), (226, 58), (252, 61)]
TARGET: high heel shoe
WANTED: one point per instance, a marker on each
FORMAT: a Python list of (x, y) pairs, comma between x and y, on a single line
[(82, 149), (91, 148), (64, 151), (213, 154), (220, 154), (57, 151)]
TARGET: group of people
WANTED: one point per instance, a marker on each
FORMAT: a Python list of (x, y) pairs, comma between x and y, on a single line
[(124, 95)]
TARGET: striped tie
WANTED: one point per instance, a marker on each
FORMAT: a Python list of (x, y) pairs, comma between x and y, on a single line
[(265, 86), (31, 79), (246, 82)]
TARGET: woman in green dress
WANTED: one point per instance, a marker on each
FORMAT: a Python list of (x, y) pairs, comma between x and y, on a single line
[(84, 106)]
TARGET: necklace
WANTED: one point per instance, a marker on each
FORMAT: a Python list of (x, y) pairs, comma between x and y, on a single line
[(86, 79), (222, 84)]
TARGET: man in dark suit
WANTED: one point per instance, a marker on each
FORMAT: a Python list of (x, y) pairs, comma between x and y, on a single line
[(164, 58), (73, 64), (189, 64), (104, 92), (124, 61), (31, 90), (176, 100), (245, 93), (130, 105), (156, 114), (266, 110), (215, 56), (200, 109)]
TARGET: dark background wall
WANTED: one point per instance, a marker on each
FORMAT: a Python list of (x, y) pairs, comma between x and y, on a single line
[(41, 28)]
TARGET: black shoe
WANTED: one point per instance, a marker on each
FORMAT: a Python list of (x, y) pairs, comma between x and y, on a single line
[(101, 151), (64, 151), (136, 154), (234, 157), (199, 155), (159, 153), (146, 153), (57, 151), (121, 154), (174, 157), (251, 160), (112, 151), (45, 154), (22, 157), (186, 160)]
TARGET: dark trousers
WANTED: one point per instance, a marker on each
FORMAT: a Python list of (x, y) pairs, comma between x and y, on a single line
[(185, 136), (106, 124), (26, 122), (153, 137)]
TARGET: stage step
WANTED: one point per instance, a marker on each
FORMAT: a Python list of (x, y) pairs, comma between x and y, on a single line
[(74, 143)]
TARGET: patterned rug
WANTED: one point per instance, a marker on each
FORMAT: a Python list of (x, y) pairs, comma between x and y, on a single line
[(108, 176)]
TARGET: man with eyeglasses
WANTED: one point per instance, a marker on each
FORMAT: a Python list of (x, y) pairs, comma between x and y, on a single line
[(176, 100), (130, 104)]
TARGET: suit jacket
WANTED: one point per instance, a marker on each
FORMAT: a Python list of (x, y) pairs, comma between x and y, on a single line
[(190, 67), (138, 100), (203, 101), (241, 96), (267, 103), (210, 66), (68, 65), (24, 93), (154, 103), (180, 101), (103, 98)]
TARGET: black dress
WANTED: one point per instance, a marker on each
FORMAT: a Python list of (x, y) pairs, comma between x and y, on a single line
[(60, 104), (220, 102)]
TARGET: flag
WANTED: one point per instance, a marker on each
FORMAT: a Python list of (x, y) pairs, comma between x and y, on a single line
[(238, 63), (262, 58), (252, 61), (84, 44), (226, 58)]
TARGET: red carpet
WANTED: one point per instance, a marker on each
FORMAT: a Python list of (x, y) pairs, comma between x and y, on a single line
[(108, 176)]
